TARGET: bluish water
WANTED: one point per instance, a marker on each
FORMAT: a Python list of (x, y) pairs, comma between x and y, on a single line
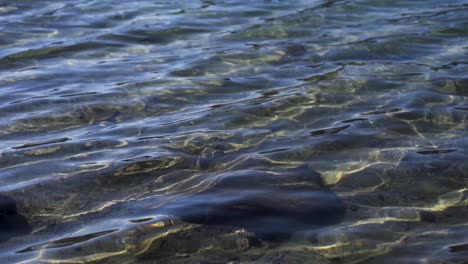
[(212, 131)]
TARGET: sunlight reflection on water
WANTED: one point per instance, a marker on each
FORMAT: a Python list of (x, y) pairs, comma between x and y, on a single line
[(281, 113)]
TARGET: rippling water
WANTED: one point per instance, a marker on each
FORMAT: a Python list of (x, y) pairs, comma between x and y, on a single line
[(213, 131)]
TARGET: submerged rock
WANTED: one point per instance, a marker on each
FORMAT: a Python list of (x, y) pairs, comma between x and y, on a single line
[(11, 223), (273, 204)]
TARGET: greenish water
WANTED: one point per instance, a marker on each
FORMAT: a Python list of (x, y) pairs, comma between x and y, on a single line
[(213, 131)]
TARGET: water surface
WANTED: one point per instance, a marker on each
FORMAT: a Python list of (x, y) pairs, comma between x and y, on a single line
[(112, 111)]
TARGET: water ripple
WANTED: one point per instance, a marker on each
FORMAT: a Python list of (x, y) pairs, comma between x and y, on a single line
[(157, 131)]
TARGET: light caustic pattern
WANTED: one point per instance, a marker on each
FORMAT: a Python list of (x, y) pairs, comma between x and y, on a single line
[(115, 115)]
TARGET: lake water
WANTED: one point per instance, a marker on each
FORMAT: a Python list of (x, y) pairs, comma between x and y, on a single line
[(212, 131)]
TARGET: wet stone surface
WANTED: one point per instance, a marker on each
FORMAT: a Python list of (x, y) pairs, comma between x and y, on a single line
[(272, 204)]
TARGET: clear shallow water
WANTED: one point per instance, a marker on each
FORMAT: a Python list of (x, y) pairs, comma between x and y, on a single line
[(113, 110)]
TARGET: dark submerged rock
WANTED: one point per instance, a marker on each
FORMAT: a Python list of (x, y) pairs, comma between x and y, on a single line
[(459, 248), (294, 49), (11, 223), (273, 204)]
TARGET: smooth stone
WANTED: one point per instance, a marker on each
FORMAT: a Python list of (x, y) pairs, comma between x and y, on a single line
[(11, 223), (273, 204)]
